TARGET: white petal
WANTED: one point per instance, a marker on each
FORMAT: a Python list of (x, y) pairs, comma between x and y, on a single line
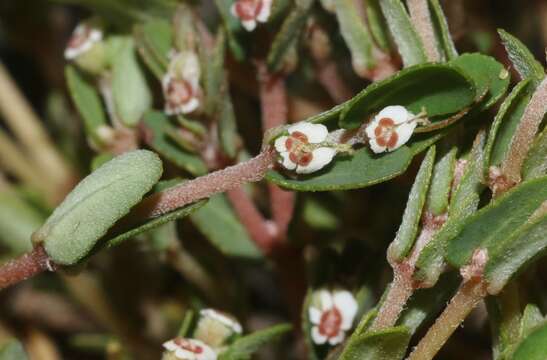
[(233, 10), (190, 70), (317, 337), (321, 157), (264, 13), (326, 299), (315, 133), (371, 127), (314, 314), (170, 345), (222, 318), (397, 113), (338, 338), (184, 354), (346, 304), (404, 131), (207, 354), (189, 106), (377, 148), (287, 162), (96, 35), (281, 144), (249, 25)]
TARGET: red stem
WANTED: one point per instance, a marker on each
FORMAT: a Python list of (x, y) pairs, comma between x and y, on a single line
[(24, 267), (206, 186), (255, 223)]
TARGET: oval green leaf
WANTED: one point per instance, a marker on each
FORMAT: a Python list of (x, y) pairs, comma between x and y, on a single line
[(440, 89), (96, 203), (534, 346)]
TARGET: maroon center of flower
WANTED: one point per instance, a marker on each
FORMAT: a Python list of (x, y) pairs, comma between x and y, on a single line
[(329, 324), (248, 9), (295, 144), (188, 346), (179, 92), (79, 37), (385, 133)]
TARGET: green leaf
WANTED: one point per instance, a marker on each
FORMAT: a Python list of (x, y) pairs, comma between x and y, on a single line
[(288, 34), (443, 32), (87, 101), (535, 164), (377, 24), (506, 122), (406, 235), (523, 60), (157, 127), (318, 216), (13, 350), (448, 91), (443, 174), (245, 346), (154, 41), (531, 317), (490, 77), (388, 344), (534, 347), (356, 35), (18, 220), (129, 88), (495, 222), (96, 203), (464, 203), (408, 42), (120, 236), (509, 255), (217, 222), (215, 77)]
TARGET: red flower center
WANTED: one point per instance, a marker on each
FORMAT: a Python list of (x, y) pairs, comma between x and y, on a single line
[(295, 145), (248, 9), (188, 346), (179, 92), (385, 133), (330, 322)]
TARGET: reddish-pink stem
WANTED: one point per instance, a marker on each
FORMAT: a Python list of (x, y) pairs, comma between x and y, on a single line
[(329, 77), (255, 223), (24, 267), (206, 186)]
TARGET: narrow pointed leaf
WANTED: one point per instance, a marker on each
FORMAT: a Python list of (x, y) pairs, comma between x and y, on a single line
[(535, 164), (443, 32), (523, 60), (406, 235), (441, 181), (407, 39), (247, 345)]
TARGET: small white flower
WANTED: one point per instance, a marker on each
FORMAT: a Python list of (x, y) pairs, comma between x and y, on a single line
[(391, 128), (249, 12), (181, 84), (223, 318), (189, 349), (331, 314), (82, 40), (298, 152)]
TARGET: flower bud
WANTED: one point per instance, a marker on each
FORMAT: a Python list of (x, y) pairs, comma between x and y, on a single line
[(216, 328), (86, 47)]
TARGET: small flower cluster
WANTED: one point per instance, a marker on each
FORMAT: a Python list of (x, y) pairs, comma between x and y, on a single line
[(180, 84), (214, 330), (83, 38), (249, 12), (306, 148), (331, 314)]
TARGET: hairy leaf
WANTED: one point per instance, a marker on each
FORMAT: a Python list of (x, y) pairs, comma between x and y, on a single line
[(534, 346), (523, 60), (535, 164), (441, 181), (406, 235), (443, 32), (388, 344), (96, 203), (407, 39), (496, 222)]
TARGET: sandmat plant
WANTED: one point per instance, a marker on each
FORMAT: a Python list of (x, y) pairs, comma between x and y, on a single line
[(222, 176)]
